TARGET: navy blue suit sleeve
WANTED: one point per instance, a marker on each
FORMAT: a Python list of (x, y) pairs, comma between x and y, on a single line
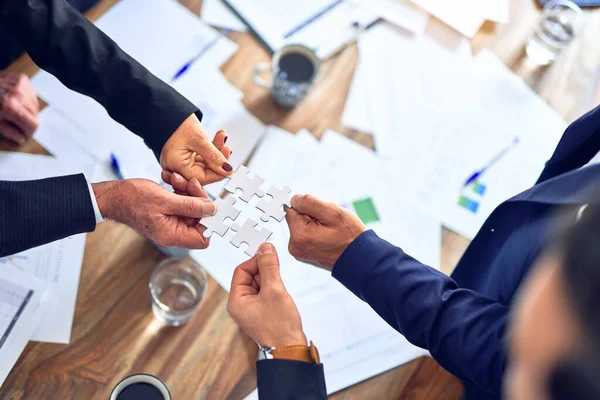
[(463, 331), (63, 42), (290, 380), (33, 213)]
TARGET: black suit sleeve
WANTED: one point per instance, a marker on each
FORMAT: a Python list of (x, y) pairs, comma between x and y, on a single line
[(33, 213), (63, 42), (290, 380)]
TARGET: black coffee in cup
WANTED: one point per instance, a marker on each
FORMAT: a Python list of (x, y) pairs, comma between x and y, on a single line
[(297, 67), (140, 387), (140, 391)]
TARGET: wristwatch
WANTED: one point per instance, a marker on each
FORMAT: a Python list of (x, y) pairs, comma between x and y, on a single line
[(308, 354)]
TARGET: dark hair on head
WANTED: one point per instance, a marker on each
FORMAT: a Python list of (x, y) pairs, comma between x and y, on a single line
[(580, 247), (578, 376)]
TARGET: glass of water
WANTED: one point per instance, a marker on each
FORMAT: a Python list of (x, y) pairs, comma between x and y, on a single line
[(177, 287), (560, 22)]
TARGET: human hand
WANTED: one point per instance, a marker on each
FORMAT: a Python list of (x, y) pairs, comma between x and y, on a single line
[(18, 107), (260, 304), (190, 153), (320, 231), (166, 218)]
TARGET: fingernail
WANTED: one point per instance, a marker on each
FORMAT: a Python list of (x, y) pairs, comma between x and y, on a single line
[(266, 248), (226, 137), (227, 167), (209, 208), (177, 176), (195, 181)]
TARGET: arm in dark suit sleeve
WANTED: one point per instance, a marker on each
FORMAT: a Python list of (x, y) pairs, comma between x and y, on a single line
[(290, 380), (63, 42), (33, 213), (463, 331)]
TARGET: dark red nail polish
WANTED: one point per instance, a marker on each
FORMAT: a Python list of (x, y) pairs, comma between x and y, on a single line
[(226, 137), (227, 167)]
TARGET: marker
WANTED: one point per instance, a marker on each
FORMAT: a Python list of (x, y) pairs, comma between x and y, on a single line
[(188, 64), (116, 168), (493, 161)]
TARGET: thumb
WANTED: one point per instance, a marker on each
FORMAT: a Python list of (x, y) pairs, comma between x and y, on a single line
[(187, 206), (214, 158), (268, 266)]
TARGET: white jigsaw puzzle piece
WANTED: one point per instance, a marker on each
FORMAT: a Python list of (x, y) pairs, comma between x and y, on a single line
[(249, 186), (274, 208), (215, 223), (247, 234)]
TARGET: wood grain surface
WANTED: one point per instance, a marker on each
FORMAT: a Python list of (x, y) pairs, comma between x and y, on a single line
[(114, 331)]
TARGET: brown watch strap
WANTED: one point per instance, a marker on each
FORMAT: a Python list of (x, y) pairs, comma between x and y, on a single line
[(308, 354)]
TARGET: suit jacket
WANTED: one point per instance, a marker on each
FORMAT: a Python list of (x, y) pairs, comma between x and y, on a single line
[(63, 42)]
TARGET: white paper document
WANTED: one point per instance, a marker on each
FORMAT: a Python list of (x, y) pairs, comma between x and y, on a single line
[(345, 328), (466, 16), (57, 263), (216, 13), (401, 13), (23, 303)]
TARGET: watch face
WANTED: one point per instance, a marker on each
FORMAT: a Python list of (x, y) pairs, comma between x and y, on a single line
[(265, 353)]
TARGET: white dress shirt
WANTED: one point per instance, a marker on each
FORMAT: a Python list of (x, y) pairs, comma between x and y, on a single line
[(99, 217)]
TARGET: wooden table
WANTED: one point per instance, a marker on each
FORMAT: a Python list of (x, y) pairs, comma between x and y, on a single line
[(114, 331)]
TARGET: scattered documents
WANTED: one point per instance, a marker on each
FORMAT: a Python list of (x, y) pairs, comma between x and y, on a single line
[(299, 161), (445, 117), (23, 303)]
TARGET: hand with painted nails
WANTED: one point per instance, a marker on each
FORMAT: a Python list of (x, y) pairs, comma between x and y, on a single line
[(190, 153), (166, 218), (19, 107)]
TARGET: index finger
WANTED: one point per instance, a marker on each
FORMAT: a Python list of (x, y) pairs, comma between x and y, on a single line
[(243, 276)]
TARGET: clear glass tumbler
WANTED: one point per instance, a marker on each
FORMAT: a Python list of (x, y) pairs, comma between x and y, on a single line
[(177, 287), (560, 22)]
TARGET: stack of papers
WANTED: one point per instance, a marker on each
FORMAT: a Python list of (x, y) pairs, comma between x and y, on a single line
[(78, 130), (50, 272), (345, 328), (439, 115)]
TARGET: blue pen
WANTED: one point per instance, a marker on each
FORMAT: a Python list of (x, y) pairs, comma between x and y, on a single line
[(494, 160), (188, 64), (116, 168)]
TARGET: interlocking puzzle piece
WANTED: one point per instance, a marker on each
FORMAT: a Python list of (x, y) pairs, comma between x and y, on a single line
[(274, 208), (249, 186), (215, 223), (247, 234)]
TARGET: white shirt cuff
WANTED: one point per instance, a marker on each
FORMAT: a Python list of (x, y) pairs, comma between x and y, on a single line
[(99, 217)]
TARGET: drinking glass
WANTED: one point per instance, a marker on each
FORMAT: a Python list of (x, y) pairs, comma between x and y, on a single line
[(560, 22), (177, 287)]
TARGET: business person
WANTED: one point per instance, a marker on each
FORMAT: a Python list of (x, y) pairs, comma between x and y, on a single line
[(63, 42), (461, 319), (554, 343), (288, 366)]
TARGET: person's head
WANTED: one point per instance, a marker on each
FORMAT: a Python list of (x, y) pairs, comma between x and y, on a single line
[(555, 341)]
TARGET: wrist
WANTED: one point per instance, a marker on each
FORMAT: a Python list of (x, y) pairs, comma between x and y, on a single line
[(105, 193), (283, 339)]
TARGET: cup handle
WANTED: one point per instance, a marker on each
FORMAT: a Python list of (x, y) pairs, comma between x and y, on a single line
[(261, 67)]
